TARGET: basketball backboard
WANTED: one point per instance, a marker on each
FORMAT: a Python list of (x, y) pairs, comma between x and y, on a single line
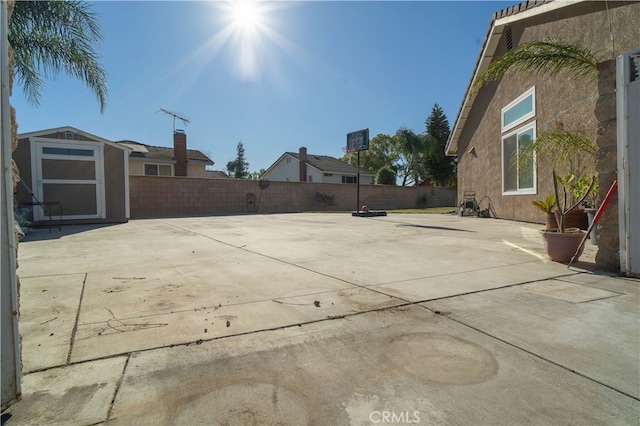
[(358, 140)]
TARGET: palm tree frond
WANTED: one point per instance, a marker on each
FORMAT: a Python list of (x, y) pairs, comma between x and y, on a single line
[(549, 57), (48, 37)]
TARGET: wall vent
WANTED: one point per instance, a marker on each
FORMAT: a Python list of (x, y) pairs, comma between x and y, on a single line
[(634, 62), (509, 38), (68, 135)]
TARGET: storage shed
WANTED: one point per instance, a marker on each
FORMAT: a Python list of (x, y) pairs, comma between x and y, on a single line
[(69, 176)]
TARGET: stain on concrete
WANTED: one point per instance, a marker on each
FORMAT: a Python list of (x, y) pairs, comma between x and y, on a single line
[(442, 359), (362, 299), (244, 404), (53, 408), (116, 289)]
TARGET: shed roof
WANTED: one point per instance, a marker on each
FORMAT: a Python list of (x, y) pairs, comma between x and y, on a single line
[(61, 133)]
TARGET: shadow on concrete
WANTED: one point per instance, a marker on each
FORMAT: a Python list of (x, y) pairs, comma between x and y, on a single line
[(53, 233)]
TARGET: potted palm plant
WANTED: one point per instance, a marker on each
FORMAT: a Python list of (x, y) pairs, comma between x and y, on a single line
[(562, 244), (546, 206), (570, 156)]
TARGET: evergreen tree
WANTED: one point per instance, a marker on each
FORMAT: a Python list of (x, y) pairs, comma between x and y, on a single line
[(439, 168), (239, 168)]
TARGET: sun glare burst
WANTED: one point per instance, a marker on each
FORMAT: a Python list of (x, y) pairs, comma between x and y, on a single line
[(245, 14), (248, 27), (247, 41)]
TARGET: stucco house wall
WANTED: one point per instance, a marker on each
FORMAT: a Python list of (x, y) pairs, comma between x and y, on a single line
[(285, 169), (557, 98)]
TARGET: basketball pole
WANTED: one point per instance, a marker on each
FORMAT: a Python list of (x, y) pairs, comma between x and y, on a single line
[(358, 184)]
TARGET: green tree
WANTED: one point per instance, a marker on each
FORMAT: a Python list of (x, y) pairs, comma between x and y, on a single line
[(52, 36), (386, 175), (413, 149), (381, 153), (439, 168), (256, 175), (239, 168)]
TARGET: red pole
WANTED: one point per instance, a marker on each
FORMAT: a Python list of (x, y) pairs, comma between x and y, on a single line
[(614, 187), (596, 218)]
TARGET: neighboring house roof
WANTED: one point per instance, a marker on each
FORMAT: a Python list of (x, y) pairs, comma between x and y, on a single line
[(151, 152), (64, 129), (216, 174), (327, 164), (498, 24)]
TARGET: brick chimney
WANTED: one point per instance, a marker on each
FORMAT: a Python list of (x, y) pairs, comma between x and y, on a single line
[(303, 164), (180, 152)]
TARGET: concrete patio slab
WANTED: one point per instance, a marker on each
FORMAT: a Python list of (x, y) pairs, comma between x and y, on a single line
[(596, 337), (463, 282), (321, 319), (48, 310), (121, 333), (79, 394), (410, 362)]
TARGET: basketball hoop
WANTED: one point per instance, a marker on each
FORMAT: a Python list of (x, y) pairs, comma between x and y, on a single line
[(349, 151)]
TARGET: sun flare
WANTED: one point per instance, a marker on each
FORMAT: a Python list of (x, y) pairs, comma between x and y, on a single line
[(245, 15), (246, 39)]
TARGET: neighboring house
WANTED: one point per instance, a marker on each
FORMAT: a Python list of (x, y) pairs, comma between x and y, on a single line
[(149, 160), (71, 176), (303, 167), (217, 174), (493, 121)]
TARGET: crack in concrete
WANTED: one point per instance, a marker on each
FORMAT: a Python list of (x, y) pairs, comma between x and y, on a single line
[(117, 389), (75, 324)]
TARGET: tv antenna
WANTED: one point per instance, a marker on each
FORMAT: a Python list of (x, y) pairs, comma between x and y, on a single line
[(175, 115)]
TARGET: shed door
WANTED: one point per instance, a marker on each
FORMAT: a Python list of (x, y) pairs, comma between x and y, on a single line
[(72, 174)]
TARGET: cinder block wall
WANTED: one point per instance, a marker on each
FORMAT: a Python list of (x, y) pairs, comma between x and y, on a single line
[(160, 196)]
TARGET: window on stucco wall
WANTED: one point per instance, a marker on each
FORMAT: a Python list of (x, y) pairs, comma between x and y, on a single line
[(157, 170), (517, 132)]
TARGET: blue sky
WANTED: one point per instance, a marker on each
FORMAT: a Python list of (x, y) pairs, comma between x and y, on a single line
[(304, 74)]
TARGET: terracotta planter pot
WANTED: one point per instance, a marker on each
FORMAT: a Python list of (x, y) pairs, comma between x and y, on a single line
[(550, 222), (562, 247), (576, 218)]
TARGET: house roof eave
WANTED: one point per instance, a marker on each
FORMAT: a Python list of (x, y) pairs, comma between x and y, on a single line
[(200, 162), (275, 163), (499, 21)]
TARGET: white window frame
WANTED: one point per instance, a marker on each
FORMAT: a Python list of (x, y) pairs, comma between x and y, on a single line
[(531, 92), (144, 168), (519, 191)]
